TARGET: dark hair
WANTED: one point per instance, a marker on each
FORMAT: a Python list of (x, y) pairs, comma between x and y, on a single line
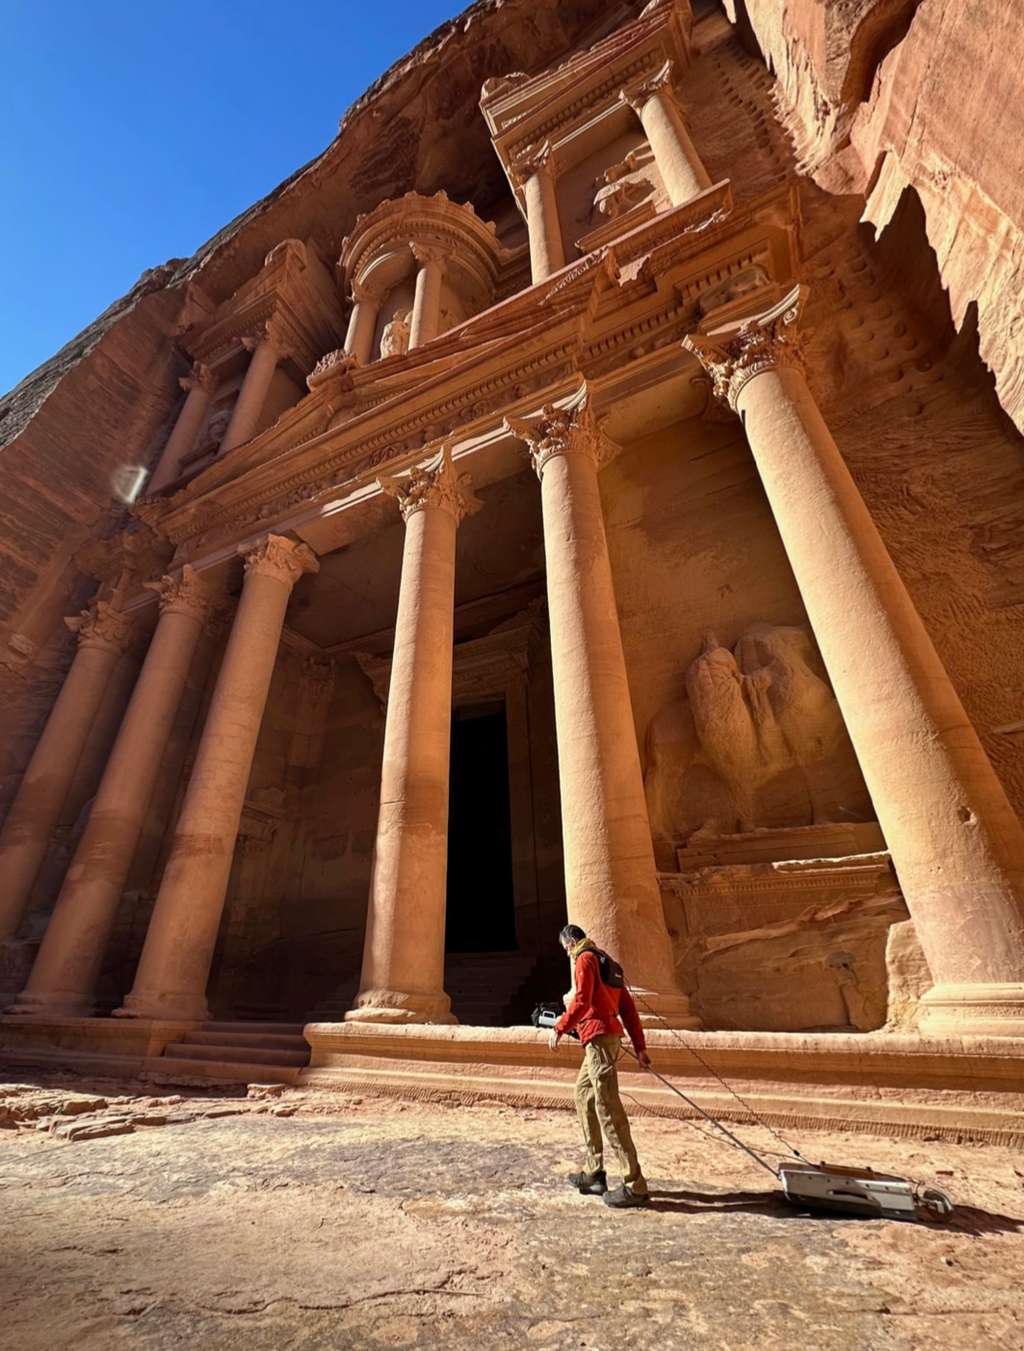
[(572, 933)]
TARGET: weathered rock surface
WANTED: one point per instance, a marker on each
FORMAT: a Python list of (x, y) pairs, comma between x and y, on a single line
[(874, 95), (380, 1224)]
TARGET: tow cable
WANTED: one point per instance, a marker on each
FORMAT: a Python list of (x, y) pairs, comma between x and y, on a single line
[(809, 1186)]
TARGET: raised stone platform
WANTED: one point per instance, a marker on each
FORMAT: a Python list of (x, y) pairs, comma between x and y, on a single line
[(887, 1083), (893, 1084)]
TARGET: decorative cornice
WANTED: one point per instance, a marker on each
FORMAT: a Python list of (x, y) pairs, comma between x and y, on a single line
[(434, 484), (761, 343), (183, 593), (102, 626), (276, 556), (563, 431)]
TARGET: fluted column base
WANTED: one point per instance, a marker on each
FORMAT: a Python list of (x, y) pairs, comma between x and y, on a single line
[(981, 1010), (396, 1006)]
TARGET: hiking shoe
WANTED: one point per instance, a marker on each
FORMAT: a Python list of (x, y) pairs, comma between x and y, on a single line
[(590, 1184), (624, 1199)]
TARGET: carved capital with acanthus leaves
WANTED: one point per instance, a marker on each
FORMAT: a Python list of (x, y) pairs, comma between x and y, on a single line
[(276, 556), (200, 377), (563, 431), (428, 254), (762, 343), (435, 485), (183, 593), (641, 93), (534, 159), (102, 626), (266, 335)]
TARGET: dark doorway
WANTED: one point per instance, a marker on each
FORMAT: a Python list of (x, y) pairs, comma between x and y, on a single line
[(481, 906)]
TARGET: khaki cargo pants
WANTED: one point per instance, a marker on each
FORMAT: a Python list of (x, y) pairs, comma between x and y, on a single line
[(600, 1109)]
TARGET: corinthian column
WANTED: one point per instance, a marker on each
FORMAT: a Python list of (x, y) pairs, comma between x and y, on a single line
[(103, 635), (63, 979), (175, 963), (956, 843), (610, 879), (426, 309), (362, 323), (535, 170), (182, 439), (680, 166), (403, 956), (253, 394)]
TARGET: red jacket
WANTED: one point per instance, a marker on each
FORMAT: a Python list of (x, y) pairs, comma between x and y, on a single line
[(595, 1007)]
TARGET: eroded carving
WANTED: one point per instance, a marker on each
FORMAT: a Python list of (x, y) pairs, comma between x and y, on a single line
[(758, 740)]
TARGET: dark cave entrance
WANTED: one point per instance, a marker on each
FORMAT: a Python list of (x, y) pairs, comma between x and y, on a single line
[(480, 905)]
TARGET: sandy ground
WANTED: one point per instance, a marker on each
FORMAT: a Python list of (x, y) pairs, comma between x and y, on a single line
[(309, 1220)]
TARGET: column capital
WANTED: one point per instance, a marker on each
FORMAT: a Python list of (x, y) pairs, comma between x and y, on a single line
[(183, 593), (637, 95), (279, 557), (102, 626), (428, 253), (264, 335), (434, 484), (534, 159), (563, 431), (200, 377), (761, 343)]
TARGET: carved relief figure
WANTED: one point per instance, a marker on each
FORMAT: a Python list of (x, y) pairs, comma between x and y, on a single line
[(620, 187), (758, 740), (394, 340)]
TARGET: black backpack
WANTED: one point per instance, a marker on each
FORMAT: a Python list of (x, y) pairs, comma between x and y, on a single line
[(612, 974)]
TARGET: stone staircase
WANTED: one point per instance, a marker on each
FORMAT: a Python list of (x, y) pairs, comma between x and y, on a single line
[(237, 1051), (493, 989)]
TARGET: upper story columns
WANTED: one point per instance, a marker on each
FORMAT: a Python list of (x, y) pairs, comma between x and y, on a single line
[(415, 266), (265, 352), (362, 323), (956, 843), (199, 385), (655, 103), (535, 172)]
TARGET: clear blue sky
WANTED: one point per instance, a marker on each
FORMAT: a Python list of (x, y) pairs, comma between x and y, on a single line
[(132, 130)]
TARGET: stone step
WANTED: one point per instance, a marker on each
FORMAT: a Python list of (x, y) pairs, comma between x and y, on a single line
[(178, 1070), (265, 1041), (273, 1029), (251, 1055)]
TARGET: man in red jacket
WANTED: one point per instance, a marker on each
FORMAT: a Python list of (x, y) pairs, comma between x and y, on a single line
[(594, 1012)]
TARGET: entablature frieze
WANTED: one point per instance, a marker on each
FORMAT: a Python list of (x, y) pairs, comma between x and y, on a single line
[(618, 318)]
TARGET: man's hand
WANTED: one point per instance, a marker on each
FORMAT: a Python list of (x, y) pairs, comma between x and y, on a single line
[(553, 1039), (643, 1060)]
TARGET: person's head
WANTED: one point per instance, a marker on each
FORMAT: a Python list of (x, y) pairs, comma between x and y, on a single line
[(570, 936)]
